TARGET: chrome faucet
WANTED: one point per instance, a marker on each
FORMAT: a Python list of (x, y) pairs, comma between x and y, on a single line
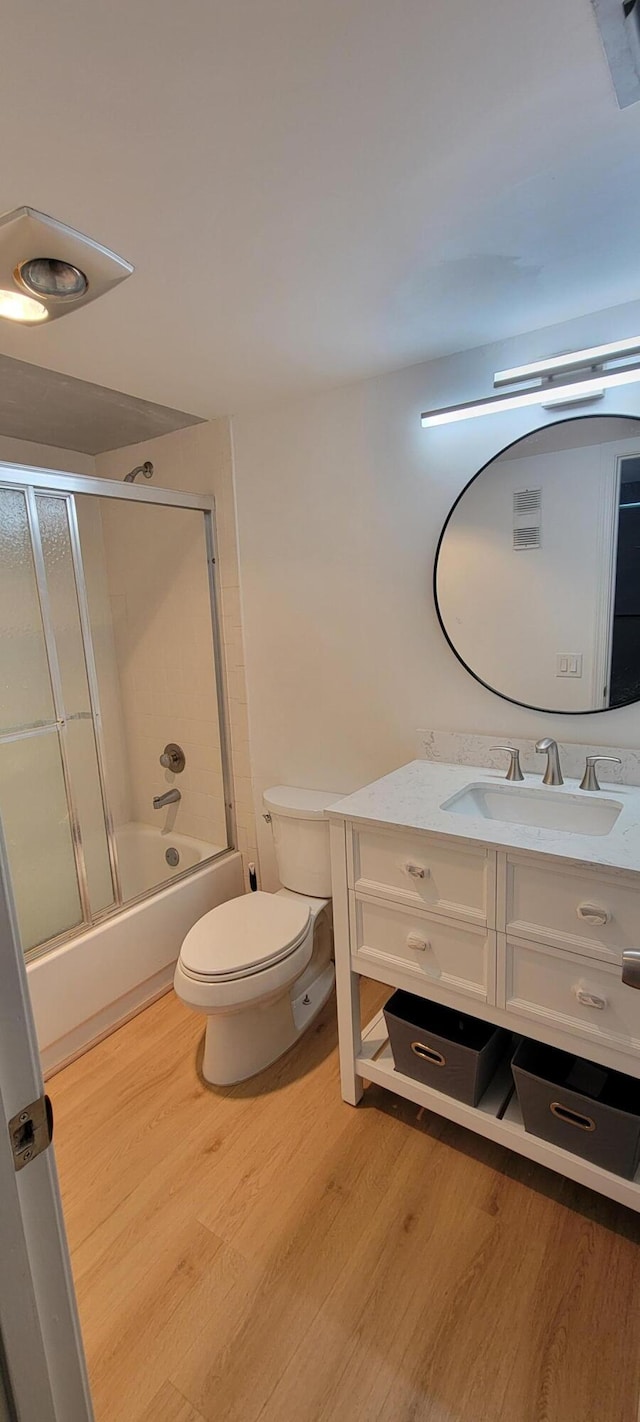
[(170, 797), (514, 772), (553, 773), (590, 778)]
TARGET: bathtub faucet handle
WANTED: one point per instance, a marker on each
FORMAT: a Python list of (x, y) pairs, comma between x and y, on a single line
[(173, 758)]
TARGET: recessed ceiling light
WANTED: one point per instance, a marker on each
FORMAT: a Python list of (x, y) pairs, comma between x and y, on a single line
[(16, 307), (49, 277)]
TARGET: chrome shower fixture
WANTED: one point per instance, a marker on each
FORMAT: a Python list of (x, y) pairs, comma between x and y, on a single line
[(173, 758), (146, 469)]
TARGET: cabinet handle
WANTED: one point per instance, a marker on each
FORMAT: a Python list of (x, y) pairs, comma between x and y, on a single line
[(590, 999), (631, 968), (572, 1118), (417, 871), (420, 944), (592, 913), (428, 1054)]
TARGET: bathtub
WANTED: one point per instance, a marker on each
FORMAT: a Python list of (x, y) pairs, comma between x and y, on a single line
[(84, 988), (142, 857)]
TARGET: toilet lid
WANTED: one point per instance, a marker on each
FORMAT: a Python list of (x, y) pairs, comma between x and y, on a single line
[(243, 935)]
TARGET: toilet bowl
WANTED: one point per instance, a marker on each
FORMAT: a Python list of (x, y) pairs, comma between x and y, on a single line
[(260, 967)]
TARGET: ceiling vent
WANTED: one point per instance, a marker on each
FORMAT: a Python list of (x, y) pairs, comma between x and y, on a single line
[(619, 25), (47, 269)]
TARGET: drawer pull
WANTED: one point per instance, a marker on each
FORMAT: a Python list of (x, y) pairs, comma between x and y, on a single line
[(417, 871), (590, 999), (420, 944), (631, 968), (428, 1054), (592, 913), (572, 1118)]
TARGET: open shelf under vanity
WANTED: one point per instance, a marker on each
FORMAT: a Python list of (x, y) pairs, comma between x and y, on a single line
[(497, 1117)]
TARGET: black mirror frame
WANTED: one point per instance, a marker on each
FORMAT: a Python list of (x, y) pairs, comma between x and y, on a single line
[(543, 710)]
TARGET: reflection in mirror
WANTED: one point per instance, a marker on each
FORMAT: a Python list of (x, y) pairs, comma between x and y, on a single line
[(537, 576)]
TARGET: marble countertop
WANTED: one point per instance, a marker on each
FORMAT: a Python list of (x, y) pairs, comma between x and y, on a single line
[(412, 798)]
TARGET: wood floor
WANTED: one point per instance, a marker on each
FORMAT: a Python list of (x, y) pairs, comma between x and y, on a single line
[(266, 1252)]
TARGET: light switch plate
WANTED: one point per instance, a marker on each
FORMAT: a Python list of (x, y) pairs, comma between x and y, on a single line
[(569, 664)]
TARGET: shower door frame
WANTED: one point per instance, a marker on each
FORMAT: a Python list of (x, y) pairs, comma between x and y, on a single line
[(48, 481)]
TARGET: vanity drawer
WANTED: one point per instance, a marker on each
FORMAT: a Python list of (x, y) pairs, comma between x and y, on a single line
[(581, 910), (424, 872), (458, 957), (567, 991)]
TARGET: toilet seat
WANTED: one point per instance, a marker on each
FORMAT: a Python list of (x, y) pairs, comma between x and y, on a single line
[(244, 936)]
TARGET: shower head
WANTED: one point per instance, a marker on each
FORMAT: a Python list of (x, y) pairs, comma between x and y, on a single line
[(146, 469)]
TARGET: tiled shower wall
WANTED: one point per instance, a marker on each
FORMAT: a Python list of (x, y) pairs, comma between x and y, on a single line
[(197, 459)]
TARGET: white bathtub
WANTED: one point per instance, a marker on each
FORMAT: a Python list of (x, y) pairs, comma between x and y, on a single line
[(86, 987), (142, 861)]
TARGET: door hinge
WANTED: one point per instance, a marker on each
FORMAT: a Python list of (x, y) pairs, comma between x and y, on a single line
[(31, 1131)]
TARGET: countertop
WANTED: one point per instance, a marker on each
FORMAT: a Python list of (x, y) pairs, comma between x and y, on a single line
[(412, 798)]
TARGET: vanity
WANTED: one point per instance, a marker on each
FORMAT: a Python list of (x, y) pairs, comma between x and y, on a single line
[(514, 898), (514, 902)]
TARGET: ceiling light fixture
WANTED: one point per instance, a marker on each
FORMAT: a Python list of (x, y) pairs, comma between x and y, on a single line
[(48, 269), (51, 279), (552, 383), (15, 306)]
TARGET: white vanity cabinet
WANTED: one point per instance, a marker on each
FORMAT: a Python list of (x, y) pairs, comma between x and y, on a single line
[(522, 937)]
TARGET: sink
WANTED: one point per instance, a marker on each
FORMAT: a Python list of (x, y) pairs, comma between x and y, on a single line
[(542, 809)]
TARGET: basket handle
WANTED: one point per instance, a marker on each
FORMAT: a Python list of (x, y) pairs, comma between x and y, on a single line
[(572, 1118), (428, 1054)]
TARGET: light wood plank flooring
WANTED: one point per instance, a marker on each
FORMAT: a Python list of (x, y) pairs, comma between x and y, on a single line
[(264, 1253)]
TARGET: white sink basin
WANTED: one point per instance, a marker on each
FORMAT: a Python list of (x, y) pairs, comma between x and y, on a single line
[(553, 809)]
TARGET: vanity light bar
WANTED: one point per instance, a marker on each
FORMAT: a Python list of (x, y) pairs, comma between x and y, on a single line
[(573, 360), (553, 394)]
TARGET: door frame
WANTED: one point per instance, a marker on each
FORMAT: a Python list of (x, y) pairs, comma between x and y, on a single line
[(613, 456), (41, 1339)]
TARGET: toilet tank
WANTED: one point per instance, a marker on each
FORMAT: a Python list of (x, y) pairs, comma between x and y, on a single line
[(301, 837)]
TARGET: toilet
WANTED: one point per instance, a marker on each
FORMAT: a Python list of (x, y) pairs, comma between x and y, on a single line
[(260, 967)]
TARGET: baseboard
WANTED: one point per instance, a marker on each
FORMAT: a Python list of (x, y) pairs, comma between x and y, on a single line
[(67, 1049)]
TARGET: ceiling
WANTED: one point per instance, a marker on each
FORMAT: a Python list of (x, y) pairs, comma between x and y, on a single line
[(316, 190)]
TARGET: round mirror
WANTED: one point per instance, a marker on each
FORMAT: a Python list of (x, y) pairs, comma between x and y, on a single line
[(537, 576)]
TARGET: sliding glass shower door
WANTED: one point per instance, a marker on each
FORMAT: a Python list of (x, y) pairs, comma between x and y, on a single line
[(110, 655), (51, 792)]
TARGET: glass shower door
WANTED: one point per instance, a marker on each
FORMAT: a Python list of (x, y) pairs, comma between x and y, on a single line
[(50, 790)]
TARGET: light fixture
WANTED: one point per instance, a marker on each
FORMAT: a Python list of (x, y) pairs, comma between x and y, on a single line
[(552, 382), (572, 360), (50, 278), (49, 269), (15, 306)]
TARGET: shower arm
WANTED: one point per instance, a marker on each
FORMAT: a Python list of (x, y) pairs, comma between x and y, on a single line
[(146, 469)]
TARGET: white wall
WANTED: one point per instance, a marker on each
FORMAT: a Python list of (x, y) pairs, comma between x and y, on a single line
[(45, 456), (341, 498)]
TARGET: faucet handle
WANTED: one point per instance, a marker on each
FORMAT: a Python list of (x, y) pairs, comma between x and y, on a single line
[(514, 772), (173, 758), (590, 778)]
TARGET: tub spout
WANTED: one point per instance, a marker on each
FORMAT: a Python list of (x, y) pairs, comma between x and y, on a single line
[(170, 797)]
